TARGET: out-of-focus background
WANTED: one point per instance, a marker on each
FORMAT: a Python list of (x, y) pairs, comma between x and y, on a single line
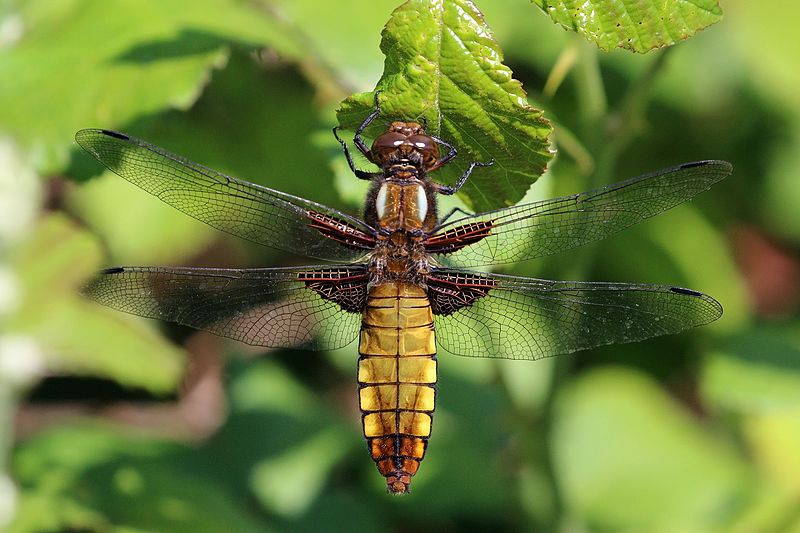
[(113, 423)]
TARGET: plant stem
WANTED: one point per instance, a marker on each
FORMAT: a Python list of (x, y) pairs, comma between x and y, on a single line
[(563, 65), (591, 93), (627, 122)]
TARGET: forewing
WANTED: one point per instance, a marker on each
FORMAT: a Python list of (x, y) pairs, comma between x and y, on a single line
[(508, 317), (552, 226), (307, 307), (250, 211)]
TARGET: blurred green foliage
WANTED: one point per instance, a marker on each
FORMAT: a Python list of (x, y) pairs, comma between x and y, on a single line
[(696, 432)]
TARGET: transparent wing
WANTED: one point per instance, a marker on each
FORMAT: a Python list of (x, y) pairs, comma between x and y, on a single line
[(250, 211), (509, 317), (278, 307), (552, 226)]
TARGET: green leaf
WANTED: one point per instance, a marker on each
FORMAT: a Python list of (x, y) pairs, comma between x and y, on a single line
[(289, 483), (636, 25), (774, 438), (628, 458), (782, 190), (526, 384), (283, 436), (755, 371), (660, 255), (135, 227), (94, 340), (80, 336), (57, 258), (763, 37), (267, 144), (443, 65), (351, 56), (266, 386), (107, 63), (49, 512), (106, 475), (55, 458)]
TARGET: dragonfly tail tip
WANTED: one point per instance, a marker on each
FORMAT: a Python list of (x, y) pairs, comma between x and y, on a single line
[(398, 484)]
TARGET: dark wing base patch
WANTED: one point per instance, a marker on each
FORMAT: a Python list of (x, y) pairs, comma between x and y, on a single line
[(457, 238), (340, 231), (449, 292), (341, 286)]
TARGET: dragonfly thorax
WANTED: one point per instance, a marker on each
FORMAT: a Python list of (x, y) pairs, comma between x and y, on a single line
[(401, 206), (399, 256)]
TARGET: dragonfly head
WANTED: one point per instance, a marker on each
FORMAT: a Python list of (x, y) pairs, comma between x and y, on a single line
[(405, 141)]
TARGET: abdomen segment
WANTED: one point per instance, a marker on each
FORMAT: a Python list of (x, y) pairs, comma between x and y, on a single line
[(397, 379)]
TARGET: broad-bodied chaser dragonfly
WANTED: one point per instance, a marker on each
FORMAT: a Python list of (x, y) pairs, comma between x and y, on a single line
[(392, 283)]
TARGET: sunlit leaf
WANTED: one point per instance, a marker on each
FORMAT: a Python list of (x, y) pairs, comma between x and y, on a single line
[(527, 385), (107, 63), (135, 227), (782, 190), (774, 437), (756, 370), (763, 35), (353, 55), (661, 254), (628, 458), (636, 25), (288, 483), (443, 65), (265, 144), (53, 512), (266, 386), (87, 339), (121, 478), (79, 336)]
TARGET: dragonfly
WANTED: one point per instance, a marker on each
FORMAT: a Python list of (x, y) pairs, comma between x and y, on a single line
[(398, 279)]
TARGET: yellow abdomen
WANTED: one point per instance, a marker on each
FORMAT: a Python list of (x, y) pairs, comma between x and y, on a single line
[(397, 379)]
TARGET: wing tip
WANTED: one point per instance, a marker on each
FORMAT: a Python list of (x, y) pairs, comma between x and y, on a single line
[(714, 306), (725, 166), (85, 132), (112, 270)]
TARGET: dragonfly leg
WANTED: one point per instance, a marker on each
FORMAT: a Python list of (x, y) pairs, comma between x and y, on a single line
[(447, 158), (359, 142), (448, 190), (360, 174), (453, 212)]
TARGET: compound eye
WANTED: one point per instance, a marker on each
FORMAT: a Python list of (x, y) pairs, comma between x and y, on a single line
[(427, 147), (385, 144)]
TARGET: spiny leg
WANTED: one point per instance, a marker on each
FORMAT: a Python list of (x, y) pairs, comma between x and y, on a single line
[(360, 174), (359, 142), (448, 190), (453, 212), (446, 159)]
